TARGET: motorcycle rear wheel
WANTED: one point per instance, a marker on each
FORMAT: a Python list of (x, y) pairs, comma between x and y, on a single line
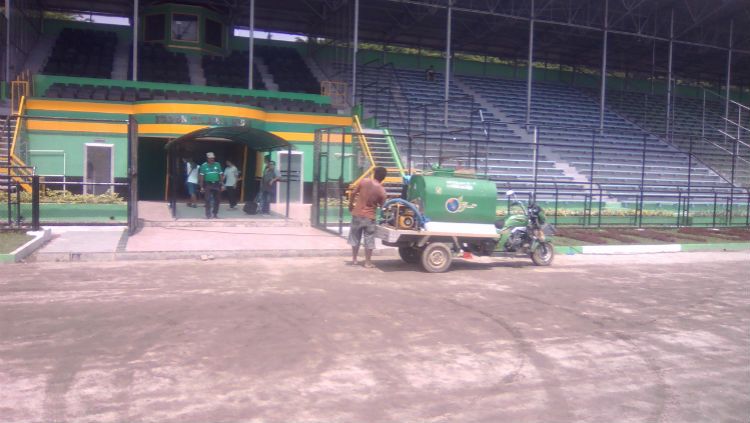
[(543, 254)]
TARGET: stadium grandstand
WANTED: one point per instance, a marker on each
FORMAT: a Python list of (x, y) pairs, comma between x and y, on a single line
[(621, 104)]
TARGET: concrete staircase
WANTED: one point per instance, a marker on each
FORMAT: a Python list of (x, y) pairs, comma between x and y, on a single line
[(499, 114), (121, 61), (545, 153), (265, 75), (40, 53), (382, 155), (316, 70), (6, 138), (195, 70)]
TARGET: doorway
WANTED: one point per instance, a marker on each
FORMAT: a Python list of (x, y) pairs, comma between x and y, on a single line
[(293, 175), (98, 159)]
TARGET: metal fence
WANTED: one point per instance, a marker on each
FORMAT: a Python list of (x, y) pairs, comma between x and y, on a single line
[(593, 202), (49, 195)]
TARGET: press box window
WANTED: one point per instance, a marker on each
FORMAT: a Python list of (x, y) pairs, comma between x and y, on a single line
[(213, 33), (184, 27), (154, 28)]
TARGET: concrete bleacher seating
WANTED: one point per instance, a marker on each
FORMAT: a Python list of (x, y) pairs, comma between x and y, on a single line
[(157, 64), (230, 71), (414, 104), (82, 53), (568, 120), (289, 71), (130, 94), (696, 127)]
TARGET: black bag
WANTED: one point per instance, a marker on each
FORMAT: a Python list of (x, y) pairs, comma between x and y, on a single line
[(250, 207)]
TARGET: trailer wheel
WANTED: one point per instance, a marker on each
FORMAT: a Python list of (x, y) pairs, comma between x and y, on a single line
[(409, 254), (436, 258), (543, 254)]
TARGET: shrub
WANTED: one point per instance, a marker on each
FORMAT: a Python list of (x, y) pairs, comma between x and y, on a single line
[(66, 197)]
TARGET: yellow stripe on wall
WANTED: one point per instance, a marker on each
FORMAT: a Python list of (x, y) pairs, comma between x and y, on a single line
[(147, 129), (186, 108), (79, 106), (67, 126)]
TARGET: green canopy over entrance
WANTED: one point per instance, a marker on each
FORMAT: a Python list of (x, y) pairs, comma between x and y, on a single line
[(249, 138), (253, 138)]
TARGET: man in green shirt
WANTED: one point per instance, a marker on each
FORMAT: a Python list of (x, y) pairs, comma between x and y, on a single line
[(211, 180)]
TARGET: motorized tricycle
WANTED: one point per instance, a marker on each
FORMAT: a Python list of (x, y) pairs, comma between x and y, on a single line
[(430, 229)]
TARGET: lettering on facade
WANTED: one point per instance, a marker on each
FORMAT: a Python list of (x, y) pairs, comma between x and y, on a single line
[(201, 120)]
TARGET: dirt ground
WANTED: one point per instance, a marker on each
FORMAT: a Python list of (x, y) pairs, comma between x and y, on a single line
[(657, 338)]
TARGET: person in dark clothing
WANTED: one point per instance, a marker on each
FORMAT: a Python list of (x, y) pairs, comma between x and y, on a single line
[(430, 74), (268, 186)]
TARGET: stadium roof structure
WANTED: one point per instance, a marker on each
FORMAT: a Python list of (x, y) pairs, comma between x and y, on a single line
[(566, 32)]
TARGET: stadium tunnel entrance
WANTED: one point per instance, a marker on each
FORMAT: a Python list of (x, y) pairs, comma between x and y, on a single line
[(242, 145), (154, 166)]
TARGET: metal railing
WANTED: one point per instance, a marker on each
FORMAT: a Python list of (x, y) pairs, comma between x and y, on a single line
[(63, 209)]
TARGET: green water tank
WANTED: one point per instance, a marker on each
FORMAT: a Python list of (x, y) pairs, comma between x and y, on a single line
[(447, 198)]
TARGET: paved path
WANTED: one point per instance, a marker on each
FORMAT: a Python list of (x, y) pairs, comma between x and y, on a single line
[(657, 338)]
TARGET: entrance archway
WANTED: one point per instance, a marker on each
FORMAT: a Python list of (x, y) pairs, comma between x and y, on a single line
[(226, 142)]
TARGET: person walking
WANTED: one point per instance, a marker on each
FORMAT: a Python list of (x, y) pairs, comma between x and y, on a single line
[(210, 179), (231, 177), (191, 182), (268, 186), (367, 196)]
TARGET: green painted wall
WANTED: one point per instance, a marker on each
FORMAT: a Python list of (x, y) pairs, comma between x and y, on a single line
[(42, 82), (188, 47), (70, 148), (73, 146)]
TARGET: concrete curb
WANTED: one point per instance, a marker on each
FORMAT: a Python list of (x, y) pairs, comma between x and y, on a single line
[(20, 253), (382, 252), (649, 249), (197, 255)]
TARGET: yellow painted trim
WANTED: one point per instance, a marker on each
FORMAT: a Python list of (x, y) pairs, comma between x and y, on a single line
[(363, 140), (21, 109), (146, 129), (315, 119), (15, 160), (63, 126), (237, 111), (75, 106), (167, 128)]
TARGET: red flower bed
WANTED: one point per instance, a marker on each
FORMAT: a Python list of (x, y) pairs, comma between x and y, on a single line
[(731, 234), (581, 235)]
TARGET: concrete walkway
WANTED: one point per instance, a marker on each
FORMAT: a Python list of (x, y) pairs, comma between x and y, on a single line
[(238, 235), (234, 235)]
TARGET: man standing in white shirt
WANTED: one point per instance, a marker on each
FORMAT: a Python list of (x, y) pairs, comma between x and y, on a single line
[(191, 182), (231, 177)]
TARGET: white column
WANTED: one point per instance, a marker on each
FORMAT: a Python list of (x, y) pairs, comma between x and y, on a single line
[(250, 49), (7, 42), (729, 75), (529, 74), (355, 49), (669, 74), (135, 41), (447, 62), (604, 68)]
